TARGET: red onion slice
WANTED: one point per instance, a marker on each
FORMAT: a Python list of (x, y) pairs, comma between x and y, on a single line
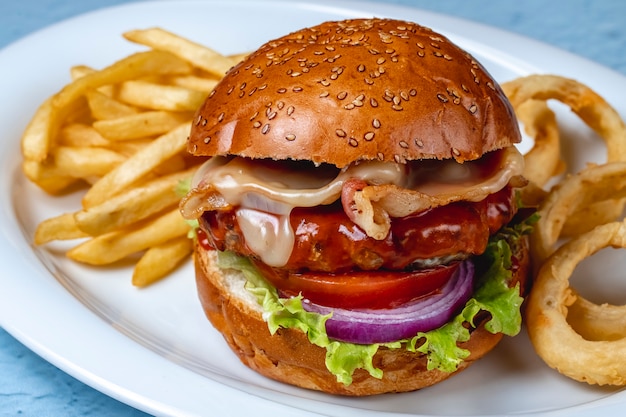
[(366, 326)]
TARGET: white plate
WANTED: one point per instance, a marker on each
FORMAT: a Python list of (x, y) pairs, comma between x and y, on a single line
[(153, 348)]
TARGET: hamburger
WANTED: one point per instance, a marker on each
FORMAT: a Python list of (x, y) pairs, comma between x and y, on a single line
[(358, 231)]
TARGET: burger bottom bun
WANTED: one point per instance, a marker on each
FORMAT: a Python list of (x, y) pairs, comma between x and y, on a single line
[(289, 357)]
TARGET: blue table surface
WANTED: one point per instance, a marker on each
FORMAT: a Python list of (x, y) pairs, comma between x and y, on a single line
[(595, 29)]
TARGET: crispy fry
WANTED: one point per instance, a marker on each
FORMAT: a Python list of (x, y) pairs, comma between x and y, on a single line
[(140, 125), (105, 107), (112, 247), (138, 165), (81, 135), (134, 205), (38, 137), (61, 227), (73, 162), (160, 97), (201, 56), (159, 261)]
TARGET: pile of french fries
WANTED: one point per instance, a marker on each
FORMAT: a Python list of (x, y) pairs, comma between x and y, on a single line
[(121, 132)]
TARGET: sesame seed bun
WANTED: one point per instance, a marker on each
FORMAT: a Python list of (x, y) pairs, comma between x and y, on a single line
[(367, 89)]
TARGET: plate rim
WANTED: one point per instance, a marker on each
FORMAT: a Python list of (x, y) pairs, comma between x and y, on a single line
[(116, 389)]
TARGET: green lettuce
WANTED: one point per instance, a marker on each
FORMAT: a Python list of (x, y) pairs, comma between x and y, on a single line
[(493, 295)]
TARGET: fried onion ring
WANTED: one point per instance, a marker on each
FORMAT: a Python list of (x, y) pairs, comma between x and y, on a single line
[(554, 339), (592, 109), (591, 185)]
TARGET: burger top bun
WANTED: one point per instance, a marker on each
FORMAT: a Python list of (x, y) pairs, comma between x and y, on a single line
[(367, 89)]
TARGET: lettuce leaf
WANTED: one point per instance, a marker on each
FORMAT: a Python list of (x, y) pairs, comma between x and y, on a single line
[(492, 294)]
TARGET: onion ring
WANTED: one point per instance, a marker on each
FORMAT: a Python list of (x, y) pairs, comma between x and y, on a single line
[(554, 339), (543, 161), (592, 109), (593, 184)]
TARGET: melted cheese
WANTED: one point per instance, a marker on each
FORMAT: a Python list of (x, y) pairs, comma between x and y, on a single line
[(263, 193)]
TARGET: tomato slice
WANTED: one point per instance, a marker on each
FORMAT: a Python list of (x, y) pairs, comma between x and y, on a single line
[(362, 289)]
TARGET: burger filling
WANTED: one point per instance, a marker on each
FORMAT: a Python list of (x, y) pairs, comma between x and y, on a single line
[(368, 254)]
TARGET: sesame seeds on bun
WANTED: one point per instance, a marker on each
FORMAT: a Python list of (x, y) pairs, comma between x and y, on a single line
[(364, 89)]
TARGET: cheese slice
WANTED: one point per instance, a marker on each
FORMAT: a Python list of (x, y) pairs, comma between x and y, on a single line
[(264, 192)]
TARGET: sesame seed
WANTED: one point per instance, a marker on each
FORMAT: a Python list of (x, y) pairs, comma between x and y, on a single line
[(254, 116), (290, 137), (272, 115), (442, 98), (220, 117), (256, 124), (369, 136), (207, 139), (198, 119), (353, 142), (341, 133), (419, 143), (397, 107), (456, 152), (342, 95), (280, 105), (403, 144), (349, 106), (324, 94), (297, 89), (376, 123), (360, 68), (473, 109), (373, 102), (266, 128), (290, 110), (281, 90)]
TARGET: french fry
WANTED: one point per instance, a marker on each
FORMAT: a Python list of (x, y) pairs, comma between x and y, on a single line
[(159, 261), (201, 56), (134, 205), (81, 135), (122, 131), (194, 82), (73, 162), (61, 227), (36, 139), (105, 107), (84, 162), (39, 134), (160, 97), (138, 165), (51, 183), (140, 125), (112, 247)]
